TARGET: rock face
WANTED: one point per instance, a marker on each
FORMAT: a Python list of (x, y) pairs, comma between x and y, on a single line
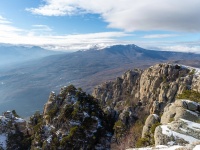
[(148, 91), (50, 102), (180, 124), (180, 109), (160, 83), (150, 121)]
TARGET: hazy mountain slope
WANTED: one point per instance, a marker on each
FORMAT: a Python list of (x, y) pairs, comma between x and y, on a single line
[(10, 54), (29, 85)]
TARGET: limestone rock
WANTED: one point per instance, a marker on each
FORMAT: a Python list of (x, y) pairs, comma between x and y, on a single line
[(50, 102), (161, 82), (155, 109), (180, 109), (180, 132), (179, 124), (151, 120), (190, 105), (149, 91)]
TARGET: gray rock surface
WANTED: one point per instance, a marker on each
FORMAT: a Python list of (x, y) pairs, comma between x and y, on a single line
[(151, 120), (50, 102), (160, 83), (180, 109), (180, 124), (149, 92)]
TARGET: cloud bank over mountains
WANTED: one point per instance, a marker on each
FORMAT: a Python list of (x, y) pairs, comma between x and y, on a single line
[(129, 15), (172, 25), (41, 35)]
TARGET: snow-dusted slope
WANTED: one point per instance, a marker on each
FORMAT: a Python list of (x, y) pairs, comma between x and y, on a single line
[(3, 138)]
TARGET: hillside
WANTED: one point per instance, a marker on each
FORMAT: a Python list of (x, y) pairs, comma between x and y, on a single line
[(30, 83), (12, 55)]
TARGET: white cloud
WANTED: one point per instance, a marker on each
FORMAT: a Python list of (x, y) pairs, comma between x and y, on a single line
[(41, 35), (64, 42), (171, 15), (4, 20), (36, 36), (40, 30), (42, 27), (6, 29), (182, 48), (154, 36)]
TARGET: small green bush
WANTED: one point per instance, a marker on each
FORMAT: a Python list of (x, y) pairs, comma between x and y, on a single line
[(142, 142), (171, 119), (190, 94), (52, 112), (192, 72), (153, 127)]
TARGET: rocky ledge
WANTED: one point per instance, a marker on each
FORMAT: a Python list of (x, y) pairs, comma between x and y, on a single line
[(178, 127)]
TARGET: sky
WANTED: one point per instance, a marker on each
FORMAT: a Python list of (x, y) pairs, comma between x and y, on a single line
[(172, 25)]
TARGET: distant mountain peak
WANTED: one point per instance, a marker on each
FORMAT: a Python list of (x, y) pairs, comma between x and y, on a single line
[(104, 46)]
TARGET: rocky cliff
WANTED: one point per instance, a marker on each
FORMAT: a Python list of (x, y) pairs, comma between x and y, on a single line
[(178, 127), (138, 93), (159, 83)]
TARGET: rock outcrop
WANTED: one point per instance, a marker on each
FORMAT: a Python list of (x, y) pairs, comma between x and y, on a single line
[(155, 86), (148, 91), (159, 83), (180, 124), (150, 121), (180, 109)]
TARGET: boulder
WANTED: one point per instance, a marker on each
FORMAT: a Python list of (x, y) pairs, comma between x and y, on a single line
[(190, 105), (155, 109), (180, 132), (185, 109), (151, 120), (180, 124)]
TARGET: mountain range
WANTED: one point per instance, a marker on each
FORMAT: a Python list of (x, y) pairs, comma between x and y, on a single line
[(28, 85), (11, 54)]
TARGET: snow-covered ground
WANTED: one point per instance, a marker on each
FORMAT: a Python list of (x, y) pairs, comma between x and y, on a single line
[(164, 147), (176, 135), (159, 147), (197, 147), (3, 139), (196, 70)]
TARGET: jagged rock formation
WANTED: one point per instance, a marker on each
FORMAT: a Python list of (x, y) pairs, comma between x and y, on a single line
[(150, 121), (146, 92), (185, 109), (71, 120), (193, 146), (160, 82), (177, 129)]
